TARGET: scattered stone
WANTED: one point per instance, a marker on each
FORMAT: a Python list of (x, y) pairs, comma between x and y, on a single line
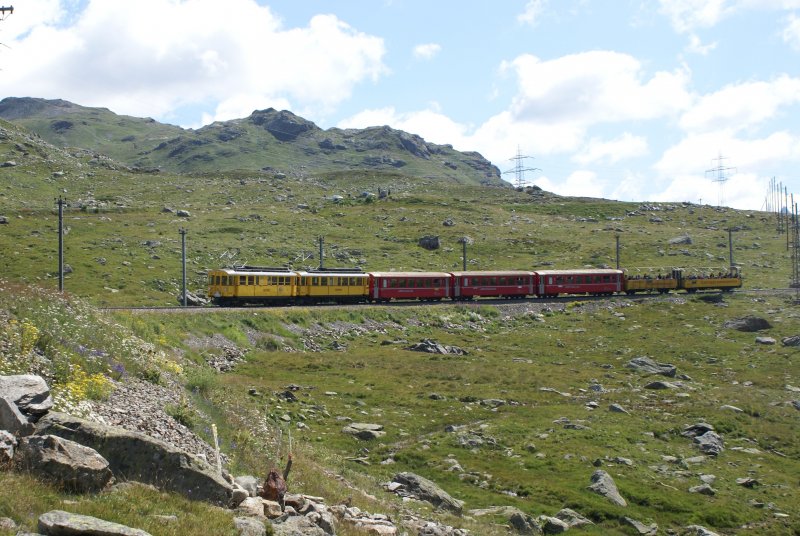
[(641, 528), (572, 518), (618, 409), (796, 404), (552, 525), (703, 489), (183, 213), (429, 242), (365, 431), (748, 482), (697, 530), (248, 526), (66, 463), (708, 479), (58, 522), (603, 484), (710, 443), (433, 347), (7, 445), (680, 240), (6, 523), (646, 365), (660, 385), (732, 408), (793, 341), (423, 489), (524, 524), (747, 324), (765, 340), (296, 526), (551, 390), (248, 483)]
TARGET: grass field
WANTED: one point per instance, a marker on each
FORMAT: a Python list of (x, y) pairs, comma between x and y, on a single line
[(517, 401)]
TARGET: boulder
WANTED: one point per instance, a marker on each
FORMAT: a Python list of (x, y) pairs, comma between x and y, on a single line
[(7, 445), (747, 324), (709, 443), (429, 242), (423, 489), (251, 507), (646, 365), (12, 419), (641, 528), (552, 525), (183, 213), (703, 489), (60, 523), (134, 456), (603, 484), (249, 483), (684, 240), (660, 385), (793, 341), (432, 347), (29, 392), (572, 518), (66, 463), (524, 524), (247, 526), (697, 530), (296, 526), (364, 431), (768, 341)]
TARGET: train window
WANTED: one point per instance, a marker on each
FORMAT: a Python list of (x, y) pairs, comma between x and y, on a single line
[(251, 280), (353, 281), (606, 278), (315, 281), (242, 279), (384, 283), (466, 281), (559, 280), (550, 280)]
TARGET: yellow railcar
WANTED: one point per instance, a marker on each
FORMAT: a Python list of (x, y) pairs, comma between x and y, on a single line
[(251, 285), (650, 284), (332, 286)]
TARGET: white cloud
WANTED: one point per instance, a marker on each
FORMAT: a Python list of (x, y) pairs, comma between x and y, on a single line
[(741, 190), (581, 183), (594, 87), (148, 58), (427, 51), (533, 10), (791, 33), (687, 15), (739, 106), (697, 47), (612, 151)]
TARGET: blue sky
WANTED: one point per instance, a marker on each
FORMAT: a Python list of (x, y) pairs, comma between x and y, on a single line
[(623, 99)]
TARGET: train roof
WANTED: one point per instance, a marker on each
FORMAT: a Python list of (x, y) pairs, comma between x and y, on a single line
[(410, 274), (593, 271), (327, 273), (501, 273), (265, 271)]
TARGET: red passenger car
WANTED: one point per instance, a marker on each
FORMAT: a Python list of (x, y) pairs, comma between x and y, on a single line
[(511, 284), (595, 282), (385, 286)]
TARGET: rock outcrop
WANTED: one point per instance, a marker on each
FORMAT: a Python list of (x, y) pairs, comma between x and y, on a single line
[(65, 463), (60, 523), (603, 484), (133, 456), (412, 485)]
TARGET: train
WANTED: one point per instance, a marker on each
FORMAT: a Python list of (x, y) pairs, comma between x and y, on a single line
[(254, 285)]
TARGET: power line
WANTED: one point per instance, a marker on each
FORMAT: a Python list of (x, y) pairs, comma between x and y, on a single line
[(519, 168), (721, 176)]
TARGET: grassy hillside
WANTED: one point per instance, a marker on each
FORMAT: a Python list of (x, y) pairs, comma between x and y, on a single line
[(268, 140), (523, 430), (123, 245)]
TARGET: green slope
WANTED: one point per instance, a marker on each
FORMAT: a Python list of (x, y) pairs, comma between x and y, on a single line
[(271, 140)]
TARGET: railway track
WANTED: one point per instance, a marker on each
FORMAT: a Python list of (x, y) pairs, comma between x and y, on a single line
[(443, 303)]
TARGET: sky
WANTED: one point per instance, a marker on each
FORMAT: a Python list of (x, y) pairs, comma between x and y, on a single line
[(636, 100)]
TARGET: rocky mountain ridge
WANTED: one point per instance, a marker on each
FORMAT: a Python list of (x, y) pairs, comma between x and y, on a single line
[(267, 140)]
